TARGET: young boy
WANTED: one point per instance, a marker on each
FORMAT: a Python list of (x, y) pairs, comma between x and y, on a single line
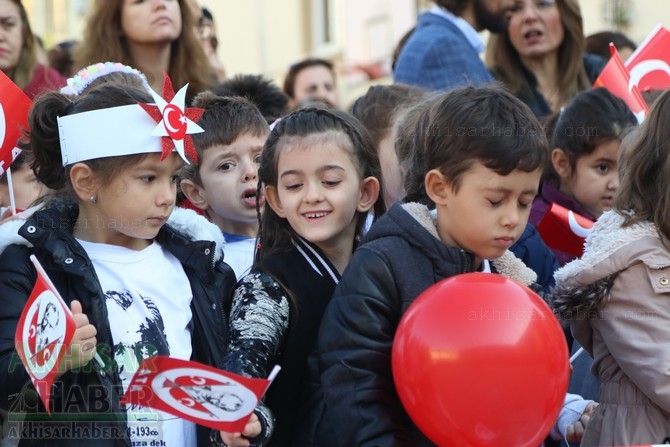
[(27, 188), (224, 182), (477, 163)]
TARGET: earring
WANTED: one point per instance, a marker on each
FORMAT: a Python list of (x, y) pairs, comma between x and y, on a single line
[(92, 198)]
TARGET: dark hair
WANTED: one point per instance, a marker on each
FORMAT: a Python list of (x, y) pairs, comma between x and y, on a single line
[(45, 140), (274, 233), (61, 57), (593, 117), (21, 160), (456, 7), (599, 43), (377, 108), (644, 162), (289, 81), (473, 124), (399, 46), (403, 134), (264, 93), (223, 121)]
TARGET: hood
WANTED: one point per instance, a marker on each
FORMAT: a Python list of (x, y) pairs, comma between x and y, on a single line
[(417, 225), (186, 222), (609, 248)]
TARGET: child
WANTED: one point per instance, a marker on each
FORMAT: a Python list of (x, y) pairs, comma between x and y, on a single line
[(378, 110), (27, 187), (616, 295), (224, 181), (319, 169), (140, 279), (582, 173), (477, 162)]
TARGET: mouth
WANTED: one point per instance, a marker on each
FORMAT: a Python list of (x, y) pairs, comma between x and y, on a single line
[(532, 35), (249, 197), (506, 241), (162, 20), (316, 214)]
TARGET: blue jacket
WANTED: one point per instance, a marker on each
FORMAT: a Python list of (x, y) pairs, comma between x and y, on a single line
[(439, 57)]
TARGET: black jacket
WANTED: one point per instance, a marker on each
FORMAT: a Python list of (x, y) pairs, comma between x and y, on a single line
[(400, 258), (91, 395)]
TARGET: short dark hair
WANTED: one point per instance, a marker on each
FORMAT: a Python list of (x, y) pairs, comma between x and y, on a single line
[(473, 124), (264, 93), (599, 43)]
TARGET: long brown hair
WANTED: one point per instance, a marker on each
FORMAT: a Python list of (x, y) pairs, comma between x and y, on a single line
[(23, 72), (644, 162), (504, 60), (103, 41)]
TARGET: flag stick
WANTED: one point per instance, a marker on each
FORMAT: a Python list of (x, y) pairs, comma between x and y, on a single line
[(10, 185), (579, 352), (40, 269)]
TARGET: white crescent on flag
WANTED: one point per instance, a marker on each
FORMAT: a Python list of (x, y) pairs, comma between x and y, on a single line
[(3, 126), (643, 68), (575, 227)]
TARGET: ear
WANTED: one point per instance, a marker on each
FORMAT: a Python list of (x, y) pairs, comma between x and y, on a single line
[(437, 187), (561, 163), (272, 199), (84, 181), (369, 194), (195, 194)]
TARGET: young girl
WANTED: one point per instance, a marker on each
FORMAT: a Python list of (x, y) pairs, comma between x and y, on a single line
[(140, 279), (582, 172), (319, 170), (616, 295), (27, 188)]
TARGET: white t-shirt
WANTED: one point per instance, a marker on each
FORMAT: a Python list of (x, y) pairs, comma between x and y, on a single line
[(148, 298), (238, 253)]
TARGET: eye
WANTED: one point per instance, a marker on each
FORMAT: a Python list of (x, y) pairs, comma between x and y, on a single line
[(603, 168), (293, 186), (227, 166), (148, 178), (331, 183), (495, 203), (523, 205), (174, 179), (257, 159)]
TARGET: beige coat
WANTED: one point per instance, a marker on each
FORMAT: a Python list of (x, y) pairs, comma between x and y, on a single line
[(617, 299)]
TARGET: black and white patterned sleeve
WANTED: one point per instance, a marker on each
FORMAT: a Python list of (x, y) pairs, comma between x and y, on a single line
[(259, 319)]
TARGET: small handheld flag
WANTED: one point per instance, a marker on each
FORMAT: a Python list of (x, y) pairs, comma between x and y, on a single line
[(44, 333), (196, 392)]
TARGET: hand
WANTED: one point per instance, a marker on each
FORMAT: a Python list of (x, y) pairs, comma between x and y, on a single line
[(83, 346), (251, 430), (575, 432)]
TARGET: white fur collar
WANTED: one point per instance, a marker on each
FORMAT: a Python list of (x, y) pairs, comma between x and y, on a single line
[(605, 237), (187, 222), (507, 265)]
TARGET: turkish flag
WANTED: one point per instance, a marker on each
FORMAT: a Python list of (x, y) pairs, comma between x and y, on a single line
[(14, 107), (649, 65), (196, 392), (564, 230), (616, 79), (45, 331)]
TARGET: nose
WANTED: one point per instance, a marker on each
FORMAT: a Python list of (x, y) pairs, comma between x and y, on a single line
[(313, 193), (250, 172), (511, 216), (613, 181), (529, 12), (159, 4), (166, 194)]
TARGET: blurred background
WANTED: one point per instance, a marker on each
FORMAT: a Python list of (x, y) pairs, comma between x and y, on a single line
[(267, 36)]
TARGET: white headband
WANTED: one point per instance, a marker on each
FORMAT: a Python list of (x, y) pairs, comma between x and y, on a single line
[(132, 129), (111, 132)]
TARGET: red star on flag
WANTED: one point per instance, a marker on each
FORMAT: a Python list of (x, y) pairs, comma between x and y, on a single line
[(175, 121)]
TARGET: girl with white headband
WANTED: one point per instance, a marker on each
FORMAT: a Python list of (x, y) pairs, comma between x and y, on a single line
[(142, 278)]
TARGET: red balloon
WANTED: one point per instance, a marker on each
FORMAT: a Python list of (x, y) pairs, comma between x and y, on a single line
[(480, 360)]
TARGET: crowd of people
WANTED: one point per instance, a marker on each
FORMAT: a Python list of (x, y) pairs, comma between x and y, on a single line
[(282, 229)]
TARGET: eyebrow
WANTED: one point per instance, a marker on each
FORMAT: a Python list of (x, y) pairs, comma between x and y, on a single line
[(318, 171)]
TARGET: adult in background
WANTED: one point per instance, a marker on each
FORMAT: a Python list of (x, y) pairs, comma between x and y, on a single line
[(18, 58), (443, 51), (311, 79), (154, 36), (599, 43), (541, 56)]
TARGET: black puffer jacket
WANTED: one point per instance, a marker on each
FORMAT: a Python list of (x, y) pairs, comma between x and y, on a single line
[(91, 395), (401, 257)]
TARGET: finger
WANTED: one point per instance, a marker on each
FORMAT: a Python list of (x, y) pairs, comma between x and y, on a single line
[(570, 433), (85, 332), (80, 320), (75, 307), (252, 429)]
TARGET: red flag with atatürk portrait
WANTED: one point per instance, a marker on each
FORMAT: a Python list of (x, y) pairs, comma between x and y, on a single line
[(44, 333)]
